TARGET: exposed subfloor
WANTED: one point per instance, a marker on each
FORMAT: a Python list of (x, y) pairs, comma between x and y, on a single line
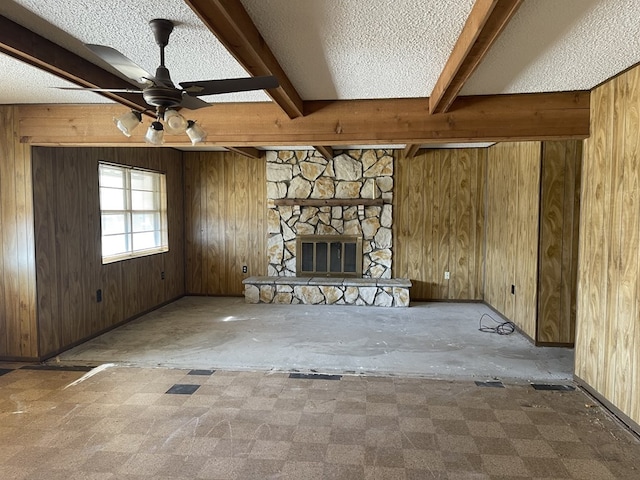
[(130, 423), (436, 340)]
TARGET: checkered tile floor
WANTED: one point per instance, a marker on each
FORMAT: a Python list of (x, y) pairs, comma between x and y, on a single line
[(128, 423)]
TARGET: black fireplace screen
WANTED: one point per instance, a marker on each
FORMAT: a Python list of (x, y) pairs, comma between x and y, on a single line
[(329, 256)]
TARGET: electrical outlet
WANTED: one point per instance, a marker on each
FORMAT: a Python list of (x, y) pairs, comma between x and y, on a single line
[(446, 275), (513, 289), (99, 295), (244, 269)]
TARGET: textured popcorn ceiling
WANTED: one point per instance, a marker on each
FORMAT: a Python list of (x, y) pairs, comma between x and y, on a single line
[(556, 45), (341, 49)]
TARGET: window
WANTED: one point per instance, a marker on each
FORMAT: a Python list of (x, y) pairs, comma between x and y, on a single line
[(133, 210)]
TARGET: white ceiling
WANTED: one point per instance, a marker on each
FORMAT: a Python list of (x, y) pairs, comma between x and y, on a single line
[(339, 49)]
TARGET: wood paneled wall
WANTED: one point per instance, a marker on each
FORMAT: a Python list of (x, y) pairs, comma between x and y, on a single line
[(439, 223), (607, 355), (68, 248), (559, 220), (225, 215), (513, 184), (18, 335)]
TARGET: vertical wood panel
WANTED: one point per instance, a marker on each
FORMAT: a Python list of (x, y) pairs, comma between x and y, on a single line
[(228, 234), (461, 281), (628, 93), (526, 277), (560, 187), (17, 246), (241, 178), (607, 330), (480, 211), (226, 200), (512, 231), (439, 223), (216, 223), (551, 227), (444, 222), (193, 192)]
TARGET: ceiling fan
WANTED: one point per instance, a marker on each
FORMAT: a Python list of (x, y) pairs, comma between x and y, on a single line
[(159, 90)]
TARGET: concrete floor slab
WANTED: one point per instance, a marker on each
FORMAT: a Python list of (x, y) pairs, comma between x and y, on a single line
[(437, 340)]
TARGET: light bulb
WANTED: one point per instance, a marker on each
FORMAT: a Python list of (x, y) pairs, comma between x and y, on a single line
[(155, 134), (128, 121), (174, 122), (195, 132)]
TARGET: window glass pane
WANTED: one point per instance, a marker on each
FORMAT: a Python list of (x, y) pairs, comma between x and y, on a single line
[(307, 257), (114, 223), (141, 200), (133, 212), (143, 180), (112, 199), (111, 176), (144, 222), (144, 241), (349, 257), (114, 244), (336, 257), (321, 256)]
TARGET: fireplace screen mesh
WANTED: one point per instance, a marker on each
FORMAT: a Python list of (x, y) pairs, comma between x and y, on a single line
[(329, 256)]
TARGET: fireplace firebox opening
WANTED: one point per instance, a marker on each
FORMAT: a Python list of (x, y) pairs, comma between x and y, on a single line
[(329, 256)]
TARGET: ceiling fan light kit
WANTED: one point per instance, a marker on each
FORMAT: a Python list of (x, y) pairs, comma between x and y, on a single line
[(175, 123), (128, 121), (195, 132), (155, 134), (160, 92)]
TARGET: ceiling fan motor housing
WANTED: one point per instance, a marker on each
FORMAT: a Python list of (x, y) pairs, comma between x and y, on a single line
[(162, 96)]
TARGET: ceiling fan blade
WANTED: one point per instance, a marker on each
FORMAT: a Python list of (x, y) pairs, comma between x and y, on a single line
[(229, 85), (110, 90), (121, 63), (192, 103)]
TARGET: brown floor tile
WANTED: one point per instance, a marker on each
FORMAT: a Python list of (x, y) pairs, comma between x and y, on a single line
[(120, 424)]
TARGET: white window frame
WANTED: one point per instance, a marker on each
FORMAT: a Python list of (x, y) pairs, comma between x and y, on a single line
[(160, 230)]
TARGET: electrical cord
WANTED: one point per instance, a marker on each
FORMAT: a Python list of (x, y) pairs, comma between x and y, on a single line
[(501, 328)]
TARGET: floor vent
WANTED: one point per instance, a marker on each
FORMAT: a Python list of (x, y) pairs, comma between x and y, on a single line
[(183, 389), (492, 384), (315, 376), (552, 387), (201, 372), (59, 368)]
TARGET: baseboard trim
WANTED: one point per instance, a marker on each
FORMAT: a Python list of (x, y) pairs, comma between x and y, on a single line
[(105, 330), (623, 418)]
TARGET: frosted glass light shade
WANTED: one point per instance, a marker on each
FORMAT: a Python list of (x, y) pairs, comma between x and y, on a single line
[(128, 121), (155, 134), (174, 122), (195, 132)]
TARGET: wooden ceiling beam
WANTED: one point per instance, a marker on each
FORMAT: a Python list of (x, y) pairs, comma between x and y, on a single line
[(540, 116), (326, 152), (487, 20), (230, 22), (23, 44), (411, 150), (250, 152)]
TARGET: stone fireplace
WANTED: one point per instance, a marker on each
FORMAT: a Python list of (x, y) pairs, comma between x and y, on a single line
[(350, 194), (330, 231)]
